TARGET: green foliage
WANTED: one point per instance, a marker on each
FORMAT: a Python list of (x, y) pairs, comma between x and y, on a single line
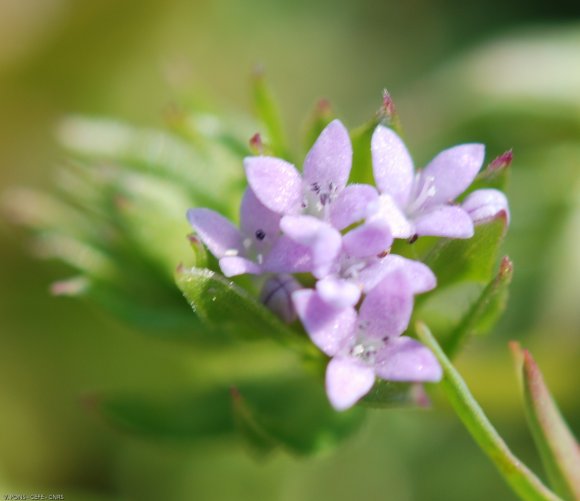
[(288, 412), (557, 446)]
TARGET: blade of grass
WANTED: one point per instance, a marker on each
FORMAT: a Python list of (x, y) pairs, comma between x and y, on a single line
[(522, 480)]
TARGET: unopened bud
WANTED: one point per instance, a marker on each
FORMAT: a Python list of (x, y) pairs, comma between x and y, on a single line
[(276, 295)]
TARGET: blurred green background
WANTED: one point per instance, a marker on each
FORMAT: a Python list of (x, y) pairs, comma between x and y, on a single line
[(503, 73)]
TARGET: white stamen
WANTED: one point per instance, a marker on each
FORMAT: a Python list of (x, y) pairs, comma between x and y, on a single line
[(426, 192), (231, 252)]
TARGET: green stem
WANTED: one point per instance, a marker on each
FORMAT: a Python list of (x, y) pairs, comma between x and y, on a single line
[(523, 481)]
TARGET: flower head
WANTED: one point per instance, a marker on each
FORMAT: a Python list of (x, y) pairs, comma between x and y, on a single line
[(422, 203), (366, 344), (256, 247)]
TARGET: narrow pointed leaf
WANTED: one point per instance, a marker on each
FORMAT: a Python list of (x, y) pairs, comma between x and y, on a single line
[(558, 448), (522, 480), (269, 114), (362, 163), (484, 312)]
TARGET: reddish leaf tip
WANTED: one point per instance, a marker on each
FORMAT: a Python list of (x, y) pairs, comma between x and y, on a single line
[(503, 161), (506, 268), (256, 144)]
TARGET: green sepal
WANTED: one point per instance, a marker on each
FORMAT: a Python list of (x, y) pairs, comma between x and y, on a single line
[(472, 259), (484, 312), (557, 446)]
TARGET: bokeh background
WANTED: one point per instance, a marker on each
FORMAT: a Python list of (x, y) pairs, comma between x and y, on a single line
[(503, 73)]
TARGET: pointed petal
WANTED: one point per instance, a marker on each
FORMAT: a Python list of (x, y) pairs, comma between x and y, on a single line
[(257, 222), (392, 165), (368, 239), (347, 381), (287, 256), (330, 158), (276, 183), (404, 359), (387, 308), (452, 171), (445, 221), (386, 209), (236, 265), (485, 205), (351, 205), (329, 328), (337, 292), (323, 240), (219, 235)]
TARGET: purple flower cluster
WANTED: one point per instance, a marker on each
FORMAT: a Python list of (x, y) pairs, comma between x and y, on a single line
[(341, 234)]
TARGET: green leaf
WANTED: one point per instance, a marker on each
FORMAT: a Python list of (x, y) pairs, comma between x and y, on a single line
[(362, 163), (292, 412), (484, 312), (558, 448), (473, 259), (522, 480), (322, 115), (219, 302), (389, 394), (269, 114)]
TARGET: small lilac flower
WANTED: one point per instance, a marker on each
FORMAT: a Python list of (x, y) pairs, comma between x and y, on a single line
[(321, 191), (348, 265), (485, 205), (257, 247), (366, 344), (422, 203)]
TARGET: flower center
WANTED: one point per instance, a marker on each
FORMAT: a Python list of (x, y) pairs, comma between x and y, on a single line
[(424, 190), (317, 197), (365, 351)]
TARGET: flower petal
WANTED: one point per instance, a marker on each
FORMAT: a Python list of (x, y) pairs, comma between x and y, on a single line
[(276, 183), (236, 265), (445, 221), (419, 275), (329, 160), (257, 222), (323, 240), (287, 256), (329, 328), (386, 209), (485, 205), (452, 171), (351, 205), (219, 235), (337, 292), (347, 381), (404, 359), (368, 239), (387, 308), (392, 165)]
